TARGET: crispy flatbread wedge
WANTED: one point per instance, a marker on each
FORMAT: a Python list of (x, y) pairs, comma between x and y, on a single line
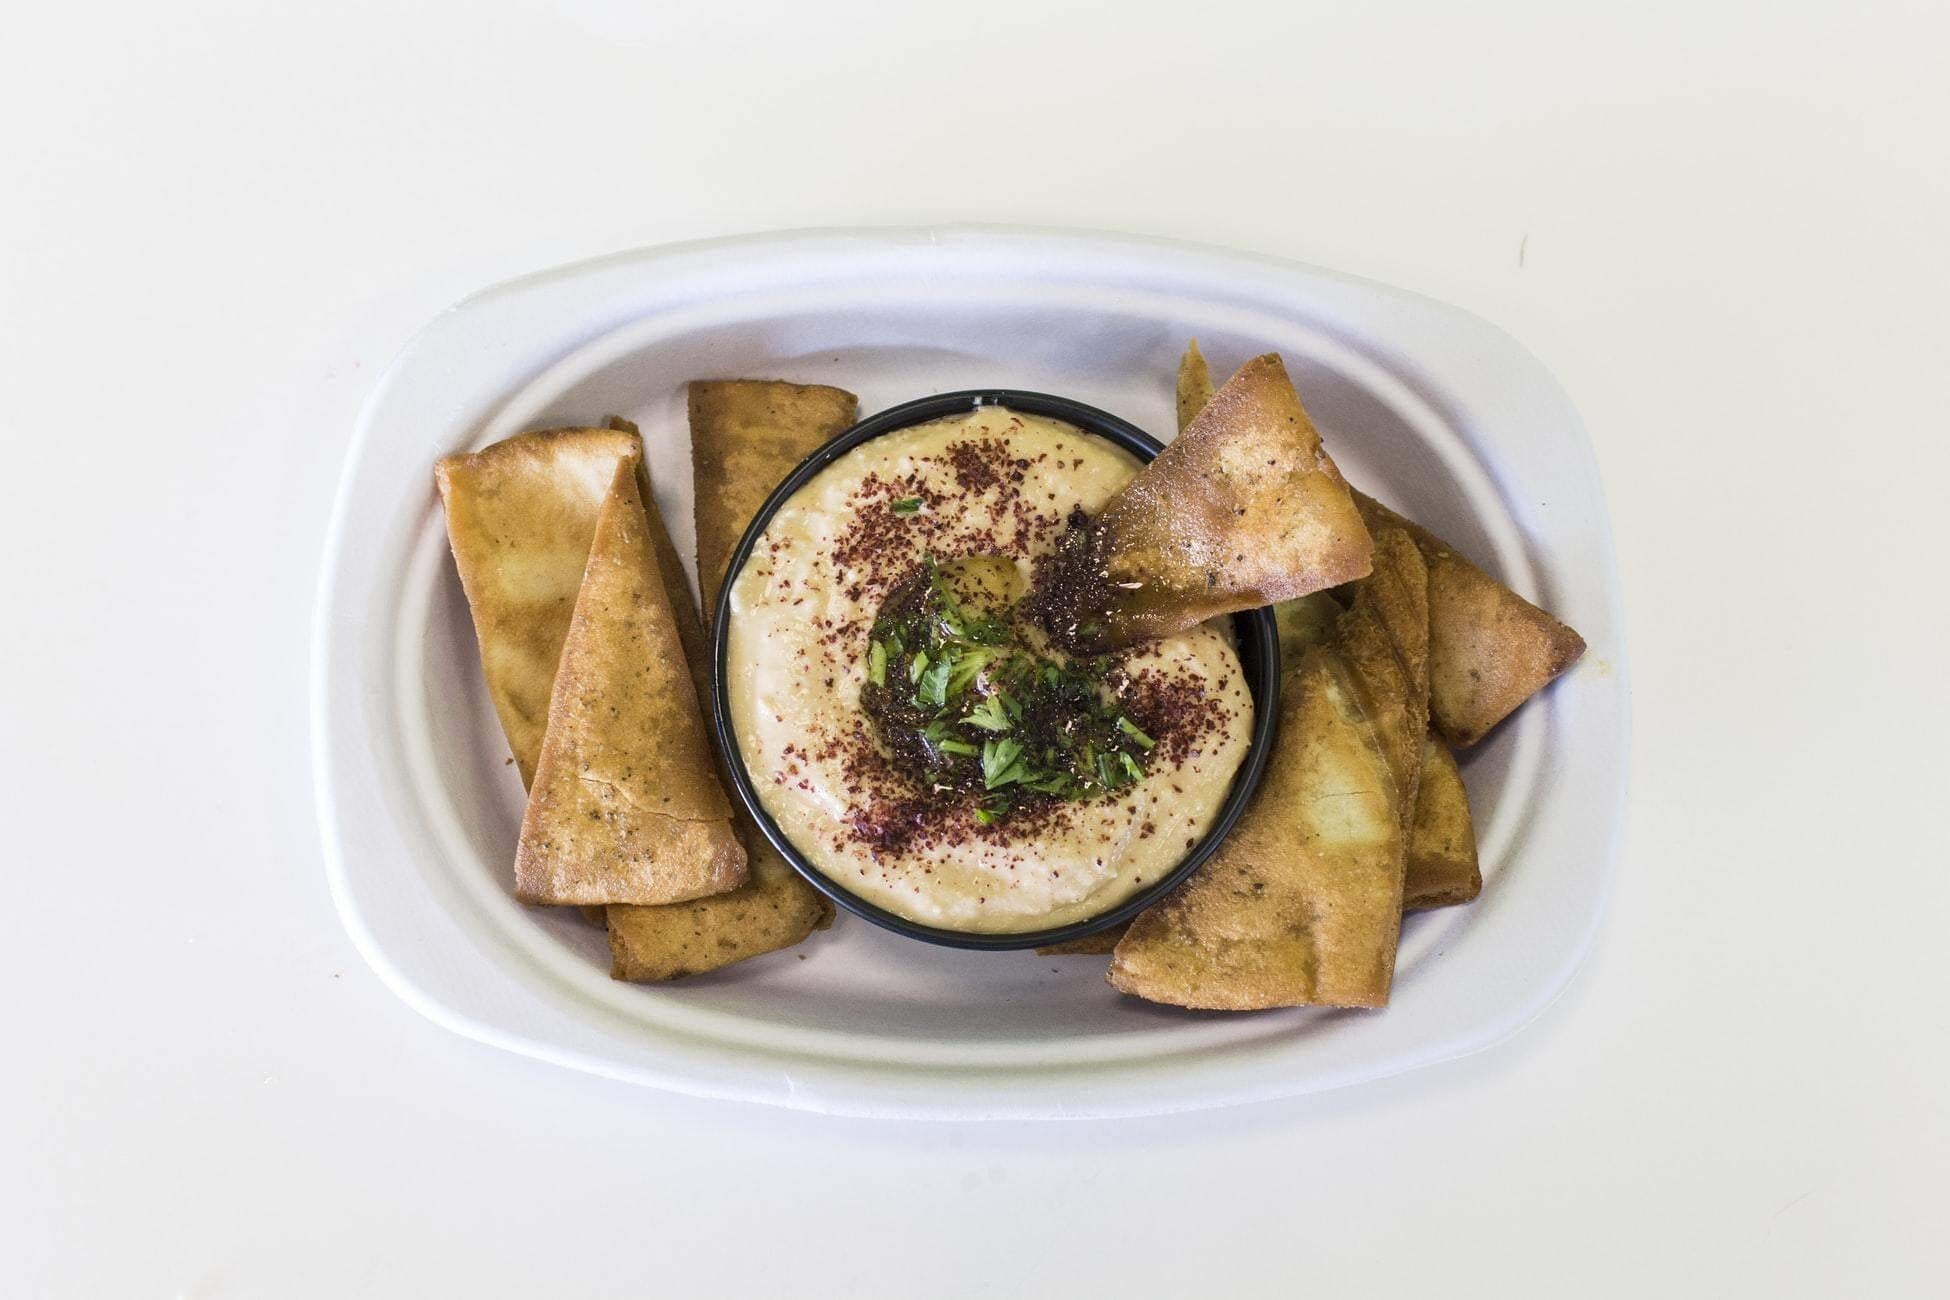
[(677, 588), (1489, 648), (746, 436), (1301, 905), (774, 909), (520, 515), (1305, 623), (1442, 868), (1246, 508), (626, 805), (1194, 385), (1384, 637)]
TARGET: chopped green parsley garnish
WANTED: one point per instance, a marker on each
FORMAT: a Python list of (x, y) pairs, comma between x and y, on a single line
[(984, 714)]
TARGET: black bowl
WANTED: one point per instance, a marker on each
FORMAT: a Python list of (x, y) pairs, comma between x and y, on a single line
[(1259, 655)]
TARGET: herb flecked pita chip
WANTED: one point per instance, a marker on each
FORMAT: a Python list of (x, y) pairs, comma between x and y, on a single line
[(625, 805)]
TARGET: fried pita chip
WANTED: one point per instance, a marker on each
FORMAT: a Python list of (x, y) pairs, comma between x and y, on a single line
[(1489, 648), (519, 518), (1194, 385), (1246, 508), (626, 805), (774, 909), (1384, 637), (1301, 904), (1442, 868), (746, 436), (677, 588), (1305, 623), (1492, 648)]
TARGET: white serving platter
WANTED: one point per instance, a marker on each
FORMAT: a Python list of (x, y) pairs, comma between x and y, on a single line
[(1433, 410)]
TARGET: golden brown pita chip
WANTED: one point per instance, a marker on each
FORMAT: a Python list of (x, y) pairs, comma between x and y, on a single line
[(1384, 637), (1246, 508), (519, 518), (774, 909), (1489, 648), (1194, 385), (1091, 945), (746, 436), (626, 805), (1304, 624), (670, 568), (1301, 904), (1442, 868)]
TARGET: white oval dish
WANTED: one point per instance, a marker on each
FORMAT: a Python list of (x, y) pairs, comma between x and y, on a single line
[(1433, 410)]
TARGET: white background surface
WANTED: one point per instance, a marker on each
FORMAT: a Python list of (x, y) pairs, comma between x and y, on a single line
[(1722, 226)]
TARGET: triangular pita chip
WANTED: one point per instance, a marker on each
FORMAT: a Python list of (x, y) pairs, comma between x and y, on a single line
[(1489, 648), (746, 436), (519, 517), (1304, 624), (1442, 868), (774, 909), (677, 588), (1194, 385), (1246, 508), (1384, 637), (1301, 904), (626, 805)]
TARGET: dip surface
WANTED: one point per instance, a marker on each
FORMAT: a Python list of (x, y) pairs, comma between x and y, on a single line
[(991, 482)]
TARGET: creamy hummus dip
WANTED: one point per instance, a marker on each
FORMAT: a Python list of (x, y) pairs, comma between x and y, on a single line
[(802, 648)]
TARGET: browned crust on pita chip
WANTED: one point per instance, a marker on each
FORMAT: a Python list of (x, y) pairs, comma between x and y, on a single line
[(1489, 648), (774, 909), (1301, 904), (1194, 385), (1246, 508), (746, 436), (1305, 621), (1304, 624), (520, 515), (677, 588), (1384, 637), (626, 805), (1442, 867)]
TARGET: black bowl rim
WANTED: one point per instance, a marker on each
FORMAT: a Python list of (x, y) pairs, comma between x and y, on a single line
[(1256, 626)]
